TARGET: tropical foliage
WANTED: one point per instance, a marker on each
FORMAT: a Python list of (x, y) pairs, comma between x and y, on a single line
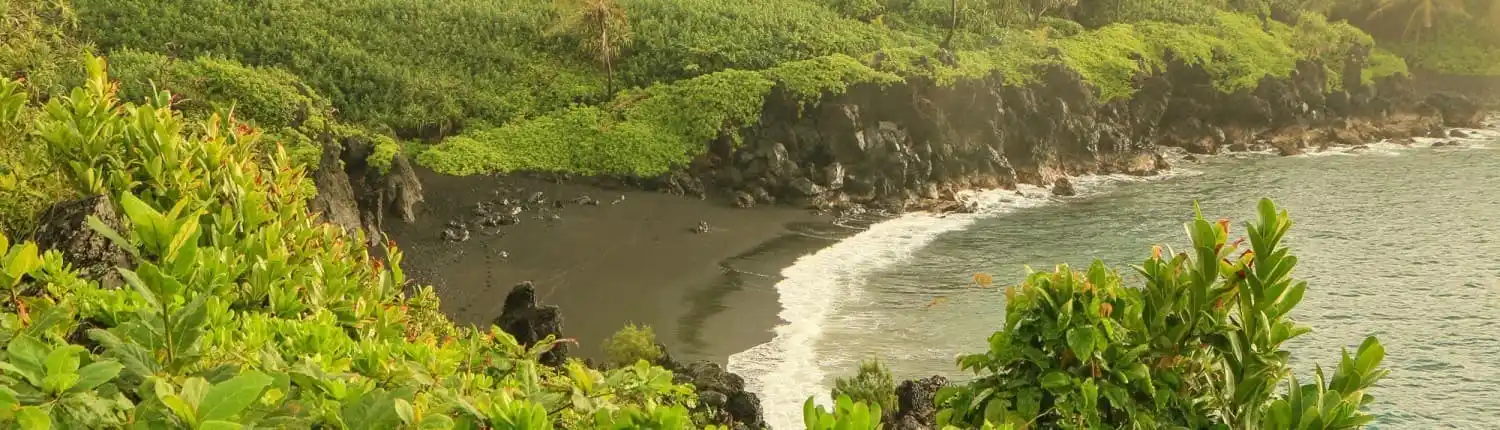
[(1198, 345), (243, 310)]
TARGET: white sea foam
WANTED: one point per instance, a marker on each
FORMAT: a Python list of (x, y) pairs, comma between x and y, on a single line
[(785, 371)]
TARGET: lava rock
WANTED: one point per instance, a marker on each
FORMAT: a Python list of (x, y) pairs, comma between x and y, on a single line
[(915, 405), (744, 200), (1063, 187), (64, 227), (529, 323), (712, 381)]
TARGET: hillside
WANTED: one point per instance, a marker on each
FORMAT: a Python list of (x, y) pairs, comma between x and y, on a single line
[(200, 291)]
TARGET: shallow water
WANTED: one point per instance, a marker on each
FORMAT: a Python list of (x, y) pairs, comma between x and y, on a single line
[(1401, 243)]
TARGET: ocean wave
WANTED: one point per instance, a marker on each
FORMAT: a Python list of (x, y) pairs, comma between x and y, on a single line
[(786, 370)]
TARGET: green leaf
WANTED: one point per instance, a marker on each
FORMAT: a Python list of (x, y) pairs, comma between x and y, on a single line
[(22, 260), (178, 406), (28, 354), (230, 397), (33, 418), (436, 422), (404, 410), (95, 374), (64, 359), (1081, 341), (98, 226), (1371, 353), (220, 425), (135, 282), (1055, 381)]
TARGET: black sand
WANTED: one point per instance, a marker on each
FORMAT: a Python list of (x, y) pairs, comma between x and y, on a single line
[(708, 295)]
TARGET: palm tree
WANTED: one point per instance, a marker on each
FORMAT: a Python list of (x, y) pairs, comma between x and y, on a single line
[(600, 25), (1420, 14)]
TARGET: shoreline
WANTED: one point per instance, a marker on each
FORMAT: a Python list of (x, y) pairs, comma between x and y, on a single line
[(606, 264)]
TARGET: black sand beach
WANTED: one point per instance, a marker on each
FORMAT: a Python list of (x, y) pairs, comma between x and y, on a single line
[(708, 295)]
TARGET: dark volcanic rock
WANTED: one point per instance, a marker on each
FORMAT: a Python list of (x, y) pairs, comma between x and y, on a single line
[(335, 199), (891, 146), (714, 383), (1457, 111), (529, 323), (1063, 187), (64, 227), (915, 405)]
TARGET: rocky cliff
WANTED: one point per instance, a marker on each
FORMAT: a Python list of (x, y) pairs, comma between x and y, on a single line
[(356, 196), (914, 145)]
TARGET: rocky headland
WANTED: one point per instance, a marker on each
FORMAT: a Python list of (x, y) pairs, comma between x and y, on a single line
[(918, 145)]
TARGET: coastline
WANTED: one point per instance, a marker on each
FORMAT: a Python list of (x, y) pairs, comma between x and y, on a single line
[(706, 295)]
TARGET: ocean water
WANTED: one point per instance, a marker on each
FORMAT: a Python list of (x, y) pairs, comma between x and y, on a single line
[(1398, 242)]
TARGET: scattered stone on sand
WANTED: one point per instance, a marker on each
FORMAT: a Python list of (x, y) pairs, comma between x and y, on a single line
[(586, 200), (1444, 143), (537, 197), (618, 200), (503, 255), (458, 235), (701, 228)]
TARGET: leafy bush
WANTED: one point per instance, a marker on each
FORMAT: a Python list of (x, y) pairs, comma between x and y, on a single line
[(419, 67), (269, 97), (1199, 345), (244, 310), (632, 344), (846, 415), (35, 45), (873, 385), (676, 39)]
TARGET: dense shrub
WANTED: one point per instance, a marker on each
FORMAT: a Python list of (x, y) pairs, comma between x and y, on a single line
[(1199, 345), (419, 67), (241, 309), (873, 385), (677, 39), (267, 96), (35, 45), (632, 344)]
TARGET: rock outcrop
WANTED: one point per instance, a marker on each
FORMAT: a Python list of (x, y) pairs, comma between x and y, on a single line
[(723, 392), (356, 196), (916, 406), (64, 227), (900, 147), (531, 323)]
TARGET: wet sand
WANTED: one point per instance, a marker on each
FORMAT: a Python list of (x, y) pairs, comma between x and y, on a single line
[(707, 295)]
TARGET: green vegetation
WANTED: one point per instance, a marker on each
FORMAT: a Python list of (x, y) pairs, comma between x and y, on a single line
[(873, 385), (1198, 345), (242, 310), (512, 85), (630, 345)]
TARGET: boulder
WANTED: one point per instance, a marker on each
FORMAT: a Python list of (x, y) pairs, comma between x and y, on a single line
[(744, 200), (1063, 187), (530, 323), (1457, 110), (806, 187), (714, 384), (64, 227), (916, 408), (1458, 134)]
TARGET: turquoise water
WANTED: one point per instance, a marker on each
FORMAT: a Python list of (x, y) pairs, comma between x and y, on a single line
[(1400, 243)]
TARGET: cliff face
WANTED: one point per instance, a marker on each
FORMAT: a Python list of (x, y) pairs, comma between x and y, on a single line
[(914, 144), (357, 197)]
